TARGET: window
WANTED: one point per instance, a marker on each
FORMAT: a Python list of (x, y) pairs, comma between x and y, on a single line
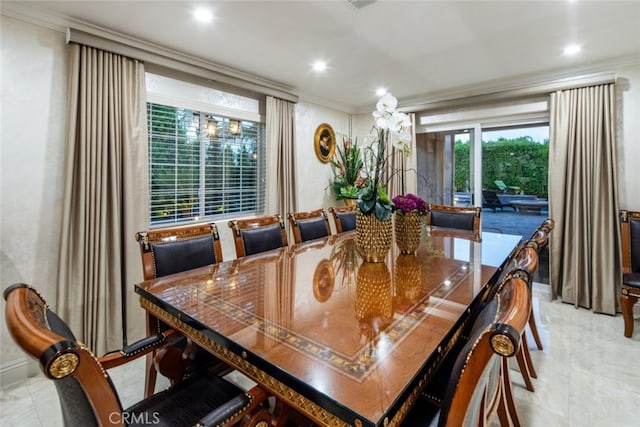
[(203, 165)]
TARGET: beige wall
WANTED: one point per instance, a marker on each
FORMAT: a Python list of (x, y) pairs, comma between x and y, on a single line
[(33, 103)]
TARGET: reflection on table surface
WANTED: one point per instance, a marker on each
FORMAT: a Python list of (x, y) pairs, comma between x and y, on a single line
[(335, 336)]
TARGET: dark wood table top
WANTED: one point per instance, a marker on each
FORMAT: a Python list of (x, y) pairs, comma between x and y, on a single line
[(345, 342)]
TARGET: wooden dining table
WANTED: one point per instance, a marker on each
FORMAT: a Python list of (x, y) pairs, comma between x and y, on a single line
[(342, 341)]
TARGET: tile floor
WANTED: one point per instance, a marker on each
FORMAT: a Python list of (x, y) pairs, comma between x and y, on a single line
[(587, 376)]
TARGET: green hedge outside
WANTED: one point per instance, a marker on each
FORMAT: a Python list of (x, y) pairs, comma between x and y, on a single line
[(520, 162)]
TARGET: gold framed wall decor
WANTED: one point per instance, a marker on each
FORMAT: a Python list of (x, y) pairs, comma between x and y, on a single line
[(324, 142)]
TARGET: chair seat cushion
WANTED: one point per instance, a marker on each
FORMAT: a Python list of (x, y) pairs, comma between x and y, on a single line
[(188, 402), (632, 280)]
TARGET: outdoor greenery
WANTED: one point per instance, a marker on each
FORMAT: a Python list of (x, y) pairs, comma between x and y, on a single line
[(518, 162)]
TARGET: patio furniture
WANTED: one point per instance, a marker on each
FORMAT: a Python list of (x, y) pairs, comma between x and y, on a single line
[(491, 200), (530, 206), (506, 188)]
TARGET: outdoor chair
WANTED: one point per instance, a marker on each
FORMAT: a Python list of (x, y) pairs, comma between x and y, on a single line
[(170, 250), (309, 225), (251, 236), (506, 188), (491, 200), (86, 392), (630, 233)]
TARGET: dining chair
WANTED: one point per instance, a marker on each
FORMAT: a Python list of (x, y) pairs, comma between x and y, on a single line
[(526, 264), (254, 235), (86, 392), (170, 250), (344, 217), (630, 292), (464, 218), (309, 225), (477, 382)]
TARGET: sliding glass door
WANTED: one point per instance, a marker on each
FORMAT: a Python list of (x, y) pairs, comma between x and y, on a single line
[(445, 166)]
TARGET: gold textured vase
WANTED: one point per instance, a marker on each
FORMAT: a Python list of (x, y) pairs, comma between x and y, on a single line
[(408, 228), (373, 237)]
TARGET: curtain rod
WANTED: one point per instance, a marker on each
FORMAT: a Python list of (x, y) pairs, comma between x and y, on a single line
[(153, 54)]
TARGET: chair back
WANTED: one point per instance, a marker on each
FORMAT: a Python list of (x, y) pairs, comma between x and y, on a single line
[(526, 263), (630, 233), (344, 218), (463, 218), (309, 225), (172, 250), (491, 197), (86, 393), (251, 236), (474, 381)]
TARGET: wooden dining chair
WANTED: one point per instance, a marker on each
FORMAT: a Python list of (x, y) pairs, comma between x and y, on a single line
[(477, 381), (526, 264), (170, 250), (630, 292), (309, 225), (540, 238), (344, 217), (86, 392), (464, 218), (254, 235)]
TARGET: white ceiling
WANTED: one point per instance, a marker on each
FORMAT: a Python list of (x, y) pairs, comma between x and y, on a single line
[(416, 49)]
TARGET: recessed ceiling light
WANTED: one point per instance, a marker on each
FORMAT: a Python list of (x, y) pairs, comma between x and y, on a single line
[(381, 91), (572, 49), (319, 66), (203, 15)]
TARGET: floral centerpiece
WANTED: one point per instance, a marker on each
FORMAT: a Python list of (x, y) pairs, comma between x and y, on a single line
[(391, 129), (347, 167), (409, 209), (373, 218)]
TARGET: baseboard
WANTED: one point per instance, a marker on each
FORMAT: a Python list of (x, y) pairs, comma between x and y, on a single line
[(17, 371)]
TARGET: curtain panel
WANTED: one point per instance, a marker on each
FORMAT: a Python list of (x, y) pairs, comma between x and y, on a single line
[(585, 244), (281, 130), (105, 197)]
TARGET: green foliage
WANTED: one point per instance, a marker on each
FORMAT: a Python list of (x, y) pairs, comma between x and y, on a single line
[(346, 166), (518, 162)]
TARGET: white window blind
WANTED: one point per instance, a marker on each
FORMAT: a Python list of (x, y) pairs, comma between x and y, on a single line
[(203, 165)]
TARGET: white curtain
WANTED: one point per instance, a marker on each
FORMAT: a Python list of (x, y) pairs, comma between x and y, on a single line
[(583, 194), (105, 197)]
